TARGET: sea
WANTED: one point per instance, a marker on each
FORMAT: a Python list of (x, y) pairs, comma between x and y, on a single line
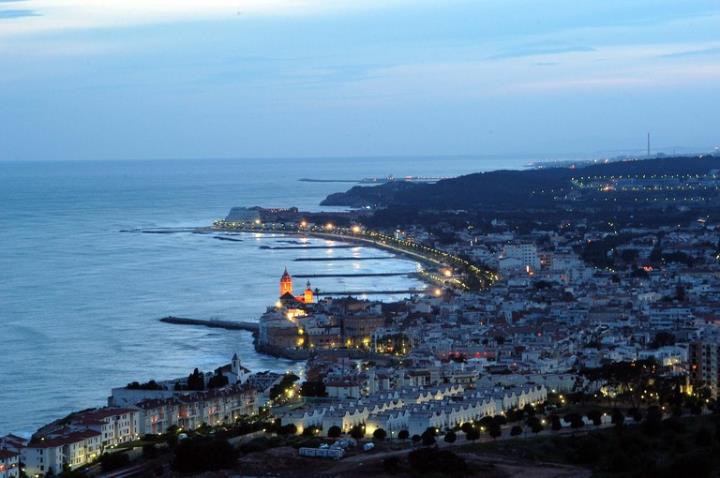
[(82, 288)]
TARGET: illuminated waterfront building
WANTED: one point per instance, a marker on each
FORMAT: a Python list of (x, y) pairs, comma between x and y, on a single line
[(286, 284), (286, 290)]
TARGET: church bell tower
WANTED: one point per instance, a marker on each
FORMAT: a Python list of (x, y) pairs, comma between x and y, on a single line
[(286, 285)]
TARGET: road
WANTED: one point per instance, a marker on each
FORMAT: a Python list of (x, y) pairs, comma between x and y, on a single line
[(419, 252)]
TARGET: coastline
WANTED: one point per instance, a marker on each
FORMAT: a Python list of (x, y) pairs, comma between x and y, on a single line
[(299, 355)]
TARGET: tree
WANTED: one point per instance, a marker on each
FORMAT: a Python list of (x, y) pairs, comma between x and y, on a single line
[(289, 429), (555, 422), (334, 431), (151, 385), (656, 253), (472, 435), (467, 427), (618, 419), (428, 437), (357, 432), (575, 420), (313, 389), (516, 430), (285, 382), (535, 424), (636, 414), (653, 420), (404, 435), (450, 437), (494, 430), (196, 381), (379, 434), (486, 421), (416, 439), (629, 255), (499, 420), (218, 380), (310, 431), (595, 416), (662, 339), (514, 415)]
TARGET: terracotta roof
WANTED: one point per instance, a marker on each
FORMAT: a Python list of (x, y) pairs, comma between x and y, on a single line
[(101, 413), (68, 439), (5, 454)]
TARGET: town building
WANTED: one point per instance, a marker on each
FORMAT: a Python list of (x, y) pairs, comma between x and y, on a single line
[(9, 464), (704, 361)]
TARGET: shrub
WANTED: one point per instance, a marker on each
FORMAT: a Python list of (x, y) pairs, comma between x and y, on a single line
[(334, 431), (450, 437), (428, 438), (595, 416), (555, 422), (289, 429), (310, 431), (357, 432), (379, 434), (618, 418), (404, 435)]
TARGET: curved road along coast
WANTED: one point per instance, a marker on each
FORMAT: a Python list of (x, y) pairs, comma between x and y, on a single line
[(419, 252)]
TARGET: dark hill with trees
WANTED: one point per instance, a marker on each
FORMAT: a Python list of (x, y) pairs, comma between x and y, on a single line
[(510, 189)]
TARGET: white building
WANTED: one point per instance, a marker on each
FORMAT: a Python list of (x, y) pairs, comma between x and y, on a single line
[(51, 454), (517, 257), (115, 425), (9, 464)]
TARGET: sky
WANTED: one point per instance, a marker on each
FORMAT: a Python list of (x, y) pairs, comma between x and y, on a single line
[(144, 79)]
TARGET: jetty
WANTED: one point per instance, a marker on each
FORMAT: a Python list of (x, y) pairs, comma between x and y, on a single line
[(311, 259), (344, 293), (337, 246), (363, 274), (213, 323)]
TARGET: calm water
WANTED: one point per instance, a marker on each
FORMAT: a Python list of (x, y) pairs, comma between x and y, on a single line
[(79, 300)]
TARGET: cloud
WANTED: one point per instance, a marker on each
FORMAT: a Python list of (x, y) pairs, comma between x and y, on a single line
[(539, 51), (693, 53), (17, 13), (64, 15)]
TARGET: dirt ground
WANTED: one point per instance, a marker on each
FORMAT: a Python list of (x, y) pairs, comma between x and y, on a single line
[(284, 462)]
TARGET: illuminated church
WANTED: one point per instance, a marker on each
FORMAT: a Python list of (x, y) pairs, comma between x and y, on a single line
[(286, 291)]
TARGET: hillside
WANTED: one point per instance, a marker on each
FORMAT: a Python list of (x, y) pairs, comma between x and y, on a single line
[(502, 189)]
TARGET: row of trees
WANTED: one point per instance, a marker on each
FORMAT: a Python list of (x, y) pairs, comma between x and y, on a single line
[(196, 381)]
